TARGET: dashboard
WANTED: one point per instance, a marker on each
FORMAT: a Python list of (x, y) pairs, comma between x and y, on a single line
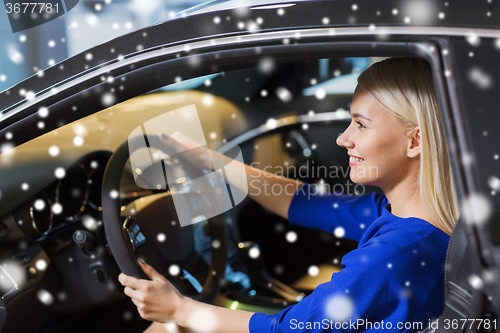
[(36, 233), (54, 256), (76, 193)]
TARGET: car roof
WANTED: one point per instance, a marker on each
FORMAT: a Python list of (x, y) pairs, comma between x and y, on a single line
[(218, 5), (232, 22)]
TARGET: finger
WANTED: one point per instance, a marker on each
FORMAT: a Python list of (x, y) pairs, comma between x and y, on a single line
[(150, 271), (133, 294), (169, 142), (184, 139), (138, 304), (129, 281)]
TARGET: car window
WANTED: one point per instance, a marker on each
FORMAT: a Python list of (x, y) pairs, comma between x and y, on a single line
[(285, 116)]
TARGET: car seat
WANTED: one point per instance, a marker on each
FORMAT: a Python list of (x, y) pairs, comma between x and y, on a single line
[(471, 289)]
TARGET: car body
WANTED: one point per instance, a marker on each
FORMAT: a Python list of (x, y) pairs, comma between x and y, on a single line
[(252, 72)]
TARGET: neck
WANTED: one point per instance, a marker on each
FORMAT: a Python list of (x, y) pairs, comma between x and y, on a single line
[(405, 200)]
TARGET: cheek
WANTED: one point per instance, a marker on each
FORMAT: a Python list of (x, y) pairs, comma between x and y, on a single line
[(385, 152)]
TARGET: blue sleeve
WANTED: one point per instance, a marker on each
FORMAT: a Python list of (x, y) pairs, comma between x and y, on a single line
[(337, 305), (383, 281), (328, 211)]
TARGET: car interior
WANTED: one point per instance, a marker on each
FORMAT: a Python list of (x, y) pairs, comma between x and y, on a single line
[(56, 264), (285, 118)]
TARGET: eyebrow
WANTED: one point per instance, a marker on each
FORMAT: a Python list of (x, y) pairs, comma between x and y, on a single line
[(359, 115)]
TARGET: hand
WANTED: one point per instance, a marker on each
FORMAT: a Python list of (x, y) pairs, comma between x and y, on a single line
[(156, 300), (196, 154)]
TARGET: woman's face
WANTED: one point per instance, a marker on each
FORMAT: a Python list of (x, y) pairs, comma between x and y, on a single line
[(376, 143)]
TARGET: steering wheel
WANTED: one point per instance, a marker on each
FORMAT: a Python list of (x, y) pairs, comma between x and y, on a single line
[(139, 234)]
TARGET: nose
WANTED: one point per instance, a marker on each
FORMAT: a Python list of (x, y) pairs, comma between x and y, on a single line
[(344, 139)]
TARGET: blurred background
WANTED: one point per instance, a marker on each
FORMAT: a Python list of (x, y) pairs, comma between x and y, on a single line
[(91, 22)]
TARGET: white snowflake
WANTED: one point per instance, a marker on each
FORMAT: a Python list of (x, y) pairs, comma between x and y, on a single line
[(174, 270), (57, 208), (108, 99), (339, 308), (41, 264), (45, 297), (39, 204), (252, 26), (79, 129), (313, 270), (89, 222), (266, 65), (482, 79), (473, 39), (339, 232), (43, 112), (284, 94), (476, 209), (62, 296), (14, 55), (7, 148), (53, 150), (497, 43), (476, 282), (291, 236), (320, 93), (494, 183), (78, 141), (254, 253), (208, 100)]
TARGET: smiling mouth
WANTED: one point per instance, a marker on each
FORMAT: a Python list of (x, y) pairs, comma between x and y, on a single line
[(355, 159)]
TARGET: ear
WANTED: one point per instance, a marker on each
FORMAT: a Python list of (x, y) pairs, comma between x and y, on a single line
[(414, 143)]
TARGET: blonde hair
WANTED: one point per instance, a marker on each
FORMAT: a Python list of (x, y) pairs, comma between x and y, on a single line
[(404, 86)]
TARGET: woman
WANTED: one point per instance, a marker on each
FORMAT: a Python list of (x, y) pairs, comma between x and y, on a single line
[(395, 278)]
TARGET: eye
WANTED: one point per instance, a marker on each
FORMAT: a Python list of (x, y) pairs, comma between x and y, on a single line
[(360, 124)]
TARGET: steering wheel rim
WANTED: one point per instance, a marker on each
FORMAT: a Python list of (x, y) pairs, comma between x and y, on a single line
[(117, 238)]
